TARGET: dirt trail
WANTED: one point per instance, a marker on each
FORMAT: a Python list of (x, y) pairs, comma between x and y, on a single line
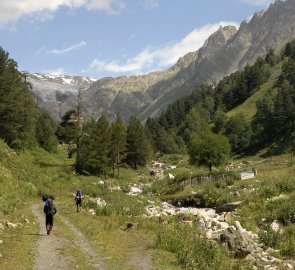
[(81, 241), (48, 257)]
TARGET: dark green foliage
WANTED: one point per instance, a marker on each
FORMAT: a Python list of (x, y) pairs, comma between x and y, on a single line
[(68, 130), (117, 144), (45, 132), (220, 120), (194, 123), (290, 49), (138, 145), (18, 110), (239, 132), (284, 108), (164, 141), (93, 151), (263, 121), (209, 150)]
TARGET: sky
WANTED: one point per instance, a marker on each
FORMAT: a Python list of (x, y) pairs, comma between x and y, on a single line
[(100, 38)]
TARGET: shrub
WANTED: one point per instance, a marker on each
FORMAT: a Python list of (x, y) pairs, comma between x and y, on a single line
[(287, 245), (282, 210), (191, 250), (270, 238)]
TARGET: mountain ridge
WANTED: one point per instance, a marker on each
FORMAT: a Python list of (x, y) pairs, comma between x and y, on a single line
[(224, 52)]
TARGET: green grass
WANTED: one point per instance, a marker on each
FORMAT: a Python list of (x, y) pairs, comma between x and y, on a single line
[(26, 175), (248, 108)]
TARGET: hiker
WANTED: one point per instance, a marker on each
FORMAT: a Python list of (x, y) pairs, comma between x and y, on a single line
[(78, 199), (50, 211)]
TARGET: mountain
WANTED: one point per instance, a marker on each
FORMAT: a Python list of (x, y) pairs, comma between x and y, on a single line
[(225, 51), (57, 94)]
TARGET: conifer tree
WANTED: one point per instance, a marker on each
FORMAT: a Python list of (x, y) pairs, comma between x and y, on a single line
[(45, 132), (18, 110), (138, 144), (117, 144)]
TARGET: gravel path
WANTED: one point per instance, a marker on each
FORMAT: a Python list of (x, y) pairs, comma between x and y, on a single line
[(48, 256)]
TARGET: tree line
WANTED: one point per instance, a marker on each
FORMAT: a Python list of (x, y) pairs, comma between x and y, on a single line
[(196, 124), (100, 146), (22, 123)]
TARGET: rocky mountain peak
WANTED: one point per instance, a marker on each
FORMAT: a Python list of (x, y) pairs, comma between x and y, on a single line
[(227, 50)]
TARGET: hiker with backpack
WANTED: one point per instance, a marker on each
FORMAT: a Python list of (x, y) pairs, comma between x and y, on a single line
[(50, 211), (78, 199)]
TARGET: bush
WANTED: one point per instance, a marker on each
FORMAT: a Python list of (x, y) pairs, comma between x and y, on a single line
[(282, 210), (191, 250), (287, 245), (270, 238)]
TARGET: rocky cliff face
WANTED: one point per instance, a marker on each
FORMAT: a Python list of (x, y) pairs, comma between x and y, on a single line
[(57, 94), (227, 50)]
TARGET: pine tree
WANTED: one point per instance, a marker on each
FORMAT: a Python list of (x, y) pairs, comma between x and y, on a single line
[(18, 110), (45, 132), (138, 145), (118, 144)]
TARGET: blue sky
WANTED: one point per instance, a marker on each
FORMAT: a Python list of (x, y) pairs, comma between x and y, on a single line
[(99, 38)]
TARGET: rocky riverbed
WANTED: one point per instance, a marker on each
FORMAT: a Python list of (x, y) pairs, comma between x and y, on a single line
[(227, 230)]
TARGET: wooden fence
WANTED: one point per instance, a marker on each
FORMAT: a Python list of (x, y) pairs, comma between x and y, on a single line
[(208, 179), (204, 179)]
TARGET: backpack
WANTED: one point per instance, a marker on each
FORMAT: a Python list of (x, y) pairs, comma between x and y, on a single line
[(49, 207), (79, 194)]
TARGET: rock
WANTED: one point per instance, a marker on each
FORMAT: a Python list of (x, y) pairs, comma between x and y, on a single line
[(11, 225), (288, 266), (228, 207), (134, 191), (92, 211), (250, 258), (171, 176), (98, 201), (1, 242), (276, 226), (236, 241)]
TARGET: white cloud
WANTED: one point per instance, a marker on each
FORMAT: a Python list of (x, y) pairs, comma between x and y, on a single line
[(151, 4), (13, 10), (66, 50), (111, 6), (161, 57), (54, 72)]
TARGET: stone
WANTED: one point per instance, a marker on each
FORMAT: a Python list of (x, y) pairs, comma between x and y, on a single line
[(11, 225), (236, 241), (92, 211), (228, 207), (171, 176), (276, 226)]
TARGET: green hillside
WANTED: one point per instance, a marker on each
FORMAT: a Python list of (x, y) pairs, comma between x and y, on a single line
[(248, 107)]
